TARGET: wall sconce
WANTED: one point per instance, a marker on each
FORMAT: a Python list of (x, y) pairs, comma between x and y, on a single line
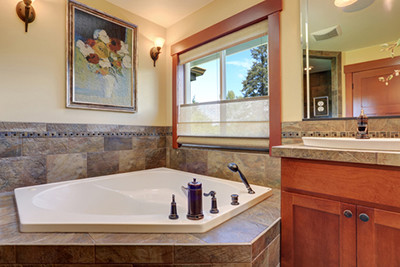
[(156, 50), (26, 12)]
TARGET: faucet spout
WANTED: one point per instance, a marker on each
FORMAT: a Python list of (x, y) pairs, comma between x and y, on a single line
[(234, 167)]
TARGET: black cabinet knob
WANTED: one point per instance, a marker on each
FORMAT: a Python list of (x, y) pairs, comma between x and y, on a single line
[(364, 217), (348, 214)]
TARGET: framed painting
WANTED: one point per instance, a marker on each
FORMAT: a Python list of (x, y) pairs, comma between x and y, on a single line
[(101, 60)]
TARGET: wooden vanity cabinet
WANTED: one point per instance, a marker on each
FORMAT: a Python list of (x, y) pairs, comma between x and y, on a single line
[(333, 214)]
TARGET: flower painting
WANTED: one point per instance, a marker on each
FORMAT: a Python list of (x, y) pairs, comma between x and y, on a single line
[(101, 60)]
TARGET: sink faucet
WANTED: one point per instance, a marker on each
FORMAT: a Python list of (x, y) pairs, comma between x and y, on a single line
[(234, 167), (362, 126)]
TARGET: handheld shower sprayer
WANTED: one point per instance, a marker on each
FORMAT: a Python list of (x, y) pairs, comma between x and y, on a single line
[(234, 167)]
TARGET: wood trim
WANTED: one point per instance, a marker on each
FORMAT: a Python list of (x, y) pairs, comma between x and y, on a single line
[(275, 113), (314, 203), (348, 231), (349, 70), (268, 9), (373, 64), (366, 252), (287, 229), (175, 60), (349, 94), (239, 21)]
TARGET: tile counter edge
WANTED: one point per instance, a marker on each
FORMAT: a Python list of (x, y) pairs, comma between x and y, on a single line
[(386, 158)]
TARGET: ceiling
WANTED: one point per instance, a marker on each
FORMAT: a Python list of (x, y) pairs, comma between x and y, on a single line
[(374, 25), (162, 12)]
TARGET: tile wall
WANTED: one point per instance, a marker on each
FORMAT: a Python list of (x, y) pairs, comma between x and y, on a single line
[(37, 153), (378, 128), (259, 168)]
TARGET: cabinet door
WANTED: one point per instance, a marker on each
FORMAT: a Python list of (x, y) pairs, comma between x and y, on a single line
[(378, 237), (315, 232)]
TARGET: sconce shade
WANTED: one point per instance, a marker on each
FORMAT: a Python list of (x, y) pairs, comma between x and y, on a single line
[(26, 12), (159, 42), (156, 50)]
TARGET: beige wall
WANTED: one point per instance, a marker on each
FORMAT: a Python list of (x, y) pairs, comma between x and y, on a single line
[(367, 54), (291, 58), (32, 69), (291, 50)]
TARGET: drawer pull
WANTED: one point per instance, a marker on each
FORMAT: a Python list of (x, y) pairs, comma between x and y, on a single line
[(348, 214), (364, 217)]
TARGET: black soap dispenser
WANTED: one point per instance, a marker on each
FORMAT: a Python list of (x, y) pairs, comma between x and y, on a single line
[(195, 201), (362, 126)]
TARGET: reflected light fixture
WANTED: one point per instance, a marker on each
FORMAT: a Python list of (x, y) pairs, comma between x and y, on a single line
[(156, 50), (309, 68), (26, 12), (344, 3)]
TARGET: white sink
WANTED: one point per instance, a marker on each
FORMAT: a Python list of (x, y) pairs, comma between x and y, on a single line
[(392, 144)]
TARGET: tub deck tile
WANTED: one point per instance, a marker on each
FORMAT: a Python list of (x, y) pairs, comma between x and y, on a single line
[(266, 212), (213, 254), (10, 235), (265, 240), (7, 254), (130, 239), (55, 254), (134, 254)]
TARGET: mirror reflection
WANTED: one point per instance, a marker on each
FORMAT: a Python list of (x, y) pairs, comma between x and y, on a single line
[(351, 57)]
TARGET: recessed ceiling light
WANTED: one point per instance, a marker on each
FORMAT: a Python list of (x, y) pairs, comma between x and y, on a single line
[(344, 3)]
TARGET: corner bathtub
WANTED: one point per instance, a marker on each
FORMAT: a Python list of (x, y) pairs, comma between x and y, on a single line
[(136, 202)]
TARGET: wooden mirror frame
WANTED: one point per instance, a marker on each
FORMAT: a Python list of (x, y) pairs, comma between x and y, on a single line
[(267, 9)]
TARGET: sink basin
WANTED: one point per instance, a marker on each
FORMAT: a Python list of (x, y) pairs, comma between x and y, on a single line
[(392, 144)]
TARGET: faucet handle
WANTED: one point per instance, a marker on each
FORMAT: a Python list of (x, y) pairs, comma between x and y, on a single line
[(214, 208), (173, 215), (212, 193)]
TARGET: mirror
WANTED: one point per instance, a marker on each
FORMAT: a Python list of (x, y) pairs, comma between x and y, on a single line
[(351, 58)]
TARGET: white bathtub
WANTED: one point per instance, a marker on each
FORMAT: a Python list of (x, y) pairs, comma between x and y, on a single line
[(128, 202)]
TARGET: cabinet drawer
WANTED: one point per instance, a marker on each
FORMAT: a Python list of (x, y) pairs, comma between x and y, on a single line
[(359, 182)]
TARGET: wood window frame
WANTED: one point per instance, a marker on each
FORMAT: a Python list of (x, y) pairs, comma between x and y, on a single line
[(268, 9), (350, 70)]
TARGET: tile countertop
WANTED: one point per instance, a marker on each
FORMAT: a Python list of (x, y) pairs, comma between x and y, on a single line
[(244, 236), (388, 158)]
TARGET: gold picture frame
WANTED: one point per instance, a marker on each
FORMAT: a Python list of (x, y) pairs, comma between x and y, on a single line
[(101, 60)]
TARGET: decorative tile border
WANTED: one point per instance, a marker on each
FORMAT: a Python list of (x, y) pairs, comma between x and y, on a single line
[(372, 134), (46, 130), (79, 134)]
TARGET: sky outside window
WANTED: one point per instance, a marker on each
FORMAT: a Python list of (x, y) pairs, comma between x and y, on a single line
[(238, 63), (206, 87)]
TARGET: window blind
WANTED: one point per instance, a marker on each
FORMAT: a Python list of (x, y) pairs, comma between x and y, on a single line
[(244, 123), (240, 123), (241, 36)]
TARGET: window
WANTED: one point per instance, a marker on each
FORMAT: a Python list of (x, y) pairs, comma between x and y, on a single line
[(222, 80), (222, 111), (234, 73)]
